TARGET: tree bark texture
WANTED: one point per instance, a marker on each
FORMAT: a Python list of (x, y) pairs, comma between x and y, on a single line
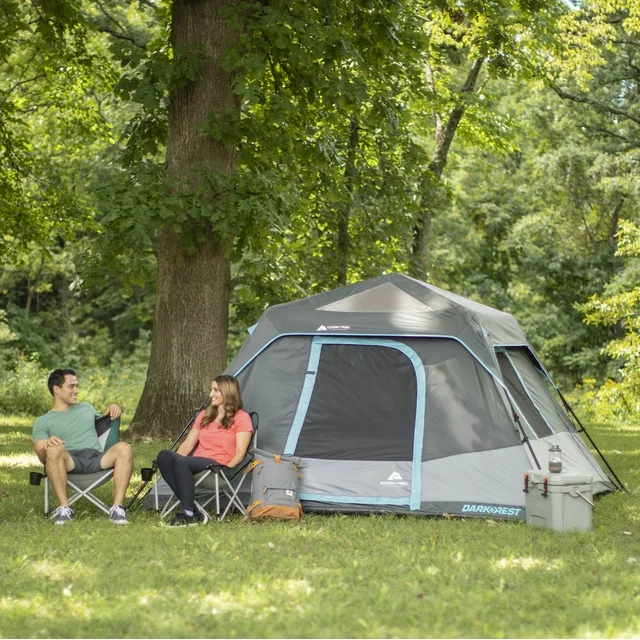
[(189, 340), (444, 134)]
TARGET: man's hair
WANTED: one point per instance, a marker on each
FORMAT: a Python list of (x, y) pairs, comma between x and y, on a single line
[(56, 378)]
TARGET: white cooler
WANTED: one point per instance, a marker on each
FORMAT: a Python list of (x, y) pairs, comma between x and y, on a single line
[(559, 501)]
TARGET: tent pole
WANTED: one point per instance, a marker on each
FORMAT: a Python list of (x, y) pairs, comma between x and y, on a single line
[(173, 446), (525, 438), (568, 407)]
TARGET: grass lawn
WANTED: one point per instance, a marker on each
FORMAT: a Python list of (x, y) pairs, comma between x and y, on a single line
[(328, 576)]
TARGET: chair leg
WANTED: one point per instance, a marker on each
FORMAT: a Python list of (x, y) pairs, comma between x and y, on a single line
[(217, 497), (168, 507), (46, 496), (234, 500)]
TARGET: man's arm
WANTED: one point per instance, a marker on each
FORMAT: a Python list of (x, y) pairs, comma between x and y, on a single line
[(114, 411)]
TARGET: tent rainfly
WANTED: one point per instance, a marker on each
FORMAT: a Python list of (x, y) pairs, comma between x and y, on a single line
[(402, 397)]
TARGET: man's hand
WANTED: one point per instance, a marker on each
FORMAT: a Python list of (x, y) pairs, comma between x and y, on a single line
[(114, 411), (53, 441)]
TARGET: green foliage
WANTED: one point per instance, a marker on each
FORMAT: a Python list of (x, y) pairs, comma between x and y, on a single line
[(22, 391), (23, 388), (51, 78), (23, 380), (619, 398), (337, 123)]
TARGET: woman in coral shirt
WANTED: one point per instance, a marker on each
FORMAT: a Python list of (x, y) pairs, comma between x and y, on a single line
[(221, 434)]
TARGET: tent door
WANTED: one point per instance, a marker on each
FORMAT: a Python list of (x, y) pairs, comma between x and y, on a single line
[(362, 399)]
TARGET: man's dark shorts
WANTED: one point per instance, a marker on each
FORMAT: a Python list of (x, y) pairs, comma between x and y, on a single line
[(86, 460)]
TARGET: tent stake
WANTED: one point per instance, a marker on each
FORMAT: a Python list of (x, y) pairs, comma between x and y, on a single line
[(173, 446)]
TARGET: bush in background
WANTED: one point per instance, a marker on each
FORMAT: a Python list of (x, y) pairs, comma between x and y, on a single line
[(23, 379), (23, 391)]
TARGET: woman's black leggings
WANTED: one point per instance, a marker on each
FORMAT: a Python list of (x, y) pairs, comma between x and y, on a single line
[(178, 471)]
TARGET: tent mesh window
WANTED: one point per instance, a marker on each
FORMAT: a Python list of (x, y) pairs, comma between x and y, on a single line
[(528, 409), (363, 406), (540, 389)]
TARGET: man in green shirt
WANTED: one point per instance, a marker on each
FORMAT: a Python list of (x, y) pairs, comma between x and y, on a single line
[(66, 441)]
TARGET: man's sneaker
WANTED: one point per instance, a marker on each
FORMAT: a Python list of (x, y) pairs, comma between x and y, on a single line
[(117, 515), (182, 520), (62, 515)]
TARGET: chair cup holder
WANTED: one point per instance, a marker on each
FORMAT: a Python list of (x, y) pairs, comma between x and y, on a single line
[(35, 478), (147, 473)]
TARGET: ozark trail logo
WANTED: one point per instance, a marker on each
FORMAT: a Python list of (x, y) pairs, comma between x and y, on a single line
[(333, 327), (394, 480)]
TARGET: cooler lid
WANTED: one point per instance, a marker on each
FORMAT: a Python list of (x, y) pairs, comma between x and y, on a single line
[(559, 479)]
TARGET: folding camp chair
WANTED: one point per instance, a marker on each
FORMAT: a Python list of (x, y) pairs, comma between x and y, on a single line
[(217, 480), (84, 483)]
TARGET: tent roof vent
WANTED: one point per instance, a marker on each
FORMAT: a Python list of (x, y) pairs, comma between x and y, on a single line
[(385, 298)]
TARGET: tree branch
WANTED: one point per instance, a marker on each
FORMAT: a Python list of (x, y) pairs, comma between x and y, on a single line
[(612, 134), (431, 81), (445, 137), (594, 103), (121, 36), (109, 16), (21, 82)]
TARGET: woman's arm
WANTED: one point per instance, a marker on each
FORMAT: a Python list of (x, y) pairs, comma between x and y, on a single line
[(189, 443), (243, 440)]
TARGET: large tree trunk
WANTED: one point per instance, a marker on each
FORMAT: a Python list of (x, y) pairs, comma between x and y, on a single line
[(445, 133), (189, 341)]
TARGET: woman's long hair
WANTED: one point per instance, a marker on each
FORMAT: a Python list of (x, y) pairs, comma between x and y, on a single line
[(231, 402)]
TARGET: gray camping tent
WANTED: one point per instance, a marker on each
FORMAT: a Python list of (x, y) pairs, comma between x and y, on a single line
[(402, 397)]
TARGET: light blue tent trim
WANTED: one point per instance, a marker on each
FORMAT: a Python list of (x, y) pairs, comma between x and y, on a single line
[(307, 391), (305, 398), (252, 328), (533, 354), (367, 336), (421, 385), (497, 379), (399, 336), (321, 497)]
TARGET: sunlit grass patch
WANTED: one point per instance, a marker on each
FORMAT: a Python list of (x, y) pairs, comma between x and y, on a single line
[(21, 460), (16, 421), (527, 563)]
